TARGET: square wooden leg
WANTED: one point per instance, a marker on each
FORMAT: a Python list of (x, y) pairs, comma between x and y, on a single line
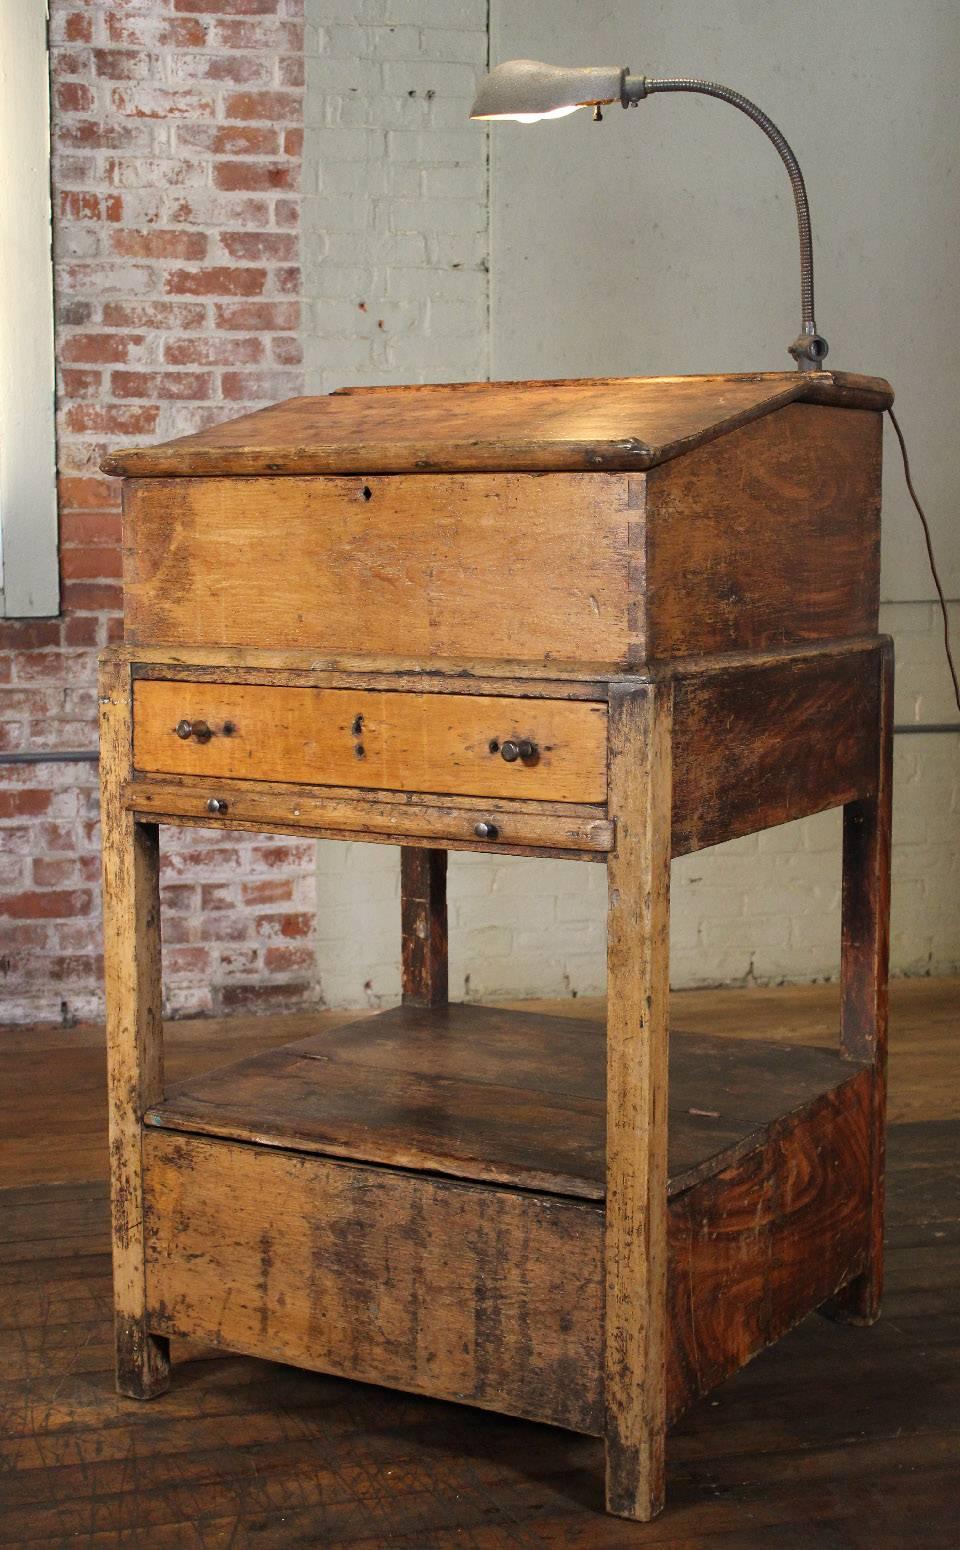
[(638, 874), (131, 906), (423, 925), (864, 968)]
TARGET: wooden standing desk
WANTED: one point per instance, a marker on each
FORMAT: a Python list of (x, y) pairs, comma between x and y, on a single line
[(615, 621)]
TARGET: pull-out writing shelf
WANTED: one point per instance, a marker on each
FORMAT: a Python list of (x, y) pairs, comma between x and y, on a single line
[(611, 621)]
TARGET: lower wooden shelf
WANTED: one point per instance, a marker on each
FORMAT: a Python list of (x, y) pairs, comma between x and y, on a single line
[(416, 1199), (493, 1095)]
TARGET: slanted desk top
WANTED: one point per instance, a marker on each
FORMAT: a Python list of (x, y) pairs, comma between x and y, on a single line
[(605, 523), (594, 423)]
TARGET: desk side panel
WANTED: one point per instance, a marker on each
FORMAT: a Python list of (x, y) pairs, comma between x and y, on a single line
[(767, 537), (756, 1248), (758, 744)]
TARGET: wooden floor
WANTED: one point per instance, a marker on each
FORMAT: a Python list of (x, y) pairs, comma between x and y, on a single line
[(837, 1437)]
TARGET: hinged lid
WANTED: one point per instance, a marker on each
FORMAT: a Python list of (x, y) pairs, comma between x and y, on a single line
[(589, 424)]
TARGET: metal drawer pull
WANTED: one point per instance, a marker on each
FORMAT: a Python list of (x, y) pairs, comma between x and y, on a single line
[(522, 749), (216, 805), (486, 831), (198, 729)]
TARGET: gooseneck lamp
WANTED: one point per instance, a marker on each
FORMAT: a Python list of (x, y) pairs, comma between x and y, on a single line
[(525, 90)]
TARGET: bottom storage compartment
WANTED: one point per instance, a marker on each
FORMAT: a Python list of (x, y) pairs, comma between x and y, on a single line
[(488, 1289), (487, 1296)]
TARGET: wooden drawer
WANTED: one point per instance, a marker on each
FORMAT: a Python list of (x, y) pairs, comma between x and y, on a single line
[(451, 744)]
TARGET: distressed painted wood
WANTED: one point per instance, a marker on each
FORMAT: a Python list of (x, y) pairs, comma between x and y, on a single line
[(344, 1267), (476, 1295), (824, 1439), (638, 987), (131, 918), (603, 422), (423, 926), (401, 742)]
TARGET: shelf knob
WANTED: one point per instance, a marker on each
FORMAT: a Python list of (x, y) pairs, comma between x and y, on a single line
[(486, 831), (522, 748), (216, 805)]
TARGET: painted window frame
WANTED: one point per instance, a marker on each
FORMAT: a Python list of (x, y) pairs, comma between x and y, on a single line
[(29, 565)]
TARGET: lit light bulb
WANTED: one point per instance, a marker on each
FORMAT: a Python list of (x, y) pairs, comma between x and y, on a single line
[(533, 118)]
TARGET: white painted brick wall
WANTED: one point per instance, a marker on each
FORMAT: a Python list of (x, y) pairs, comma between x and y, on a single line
[(395, 244), (394, 193)]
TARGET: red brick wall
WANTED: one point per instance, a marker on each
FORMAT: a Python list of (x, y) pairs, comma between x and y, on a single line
[(176, 133)]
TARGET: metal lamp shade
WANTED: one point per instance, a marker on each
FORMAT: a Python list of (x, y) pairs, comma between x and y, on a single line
[(527, 90)]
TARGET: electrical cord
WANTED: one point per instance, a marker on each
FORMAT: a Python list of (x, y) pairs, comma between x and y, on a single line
[(930, 555)]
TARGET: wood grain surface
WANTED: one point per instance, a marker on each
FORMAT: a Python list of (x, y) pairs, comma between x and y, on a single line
[(501, 566), (758, 744), (450, 745), (44, 1144), (480, 1295), (603, 422), (768, 537), (308, 812), (479, 1093), (755, 1247), (636, 1150), (131, 930)]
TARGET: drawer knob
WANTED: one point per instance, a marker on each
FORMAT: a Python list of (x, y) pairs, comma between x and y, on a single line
[(198, 729), (216, 805), (522, 748), (486, 831)]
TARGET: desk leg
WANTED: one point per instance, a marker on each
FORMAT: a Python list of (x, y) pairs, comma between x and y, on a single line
[(423, 924), (638, 880), (131, 909), (863, 972)]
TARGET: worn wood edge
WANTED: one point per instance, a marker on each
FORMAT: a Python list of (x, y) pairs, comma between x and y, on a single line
[(533, 679), (637, 1055), (839, 379), (197, 785), (758, 1138), (718, 663), (409, 1162), (393, 819), (544, 851), (442, 675), (168, 459), (164, 1116), (134, 1028)]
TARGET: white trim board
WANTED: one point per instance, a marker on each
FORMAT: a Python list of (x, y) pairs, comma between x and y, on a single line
[(29, 575)]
